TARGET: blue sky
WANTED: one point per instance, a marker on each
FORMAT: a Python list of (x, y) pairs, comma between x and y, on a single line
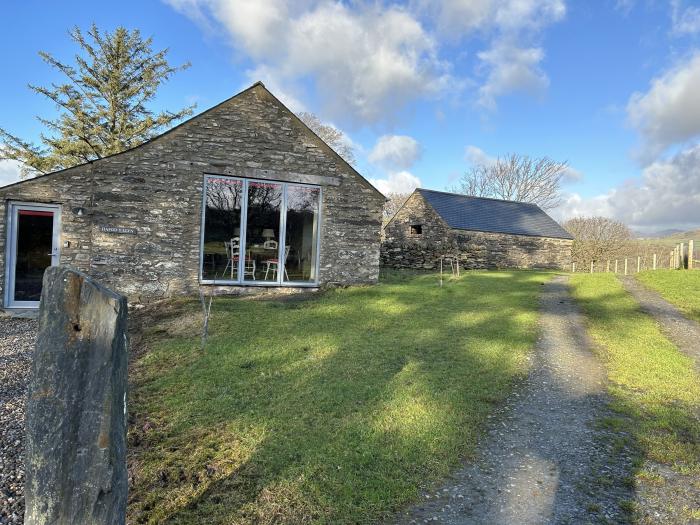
[(424, 88)]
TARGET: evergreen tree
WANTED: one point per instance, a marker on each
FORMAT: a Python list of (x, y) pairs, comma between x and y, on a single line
[(103, 104)]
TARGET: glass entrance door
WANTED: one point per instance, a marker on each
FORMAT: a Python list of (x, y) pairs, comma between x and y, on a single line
[(33, 246)]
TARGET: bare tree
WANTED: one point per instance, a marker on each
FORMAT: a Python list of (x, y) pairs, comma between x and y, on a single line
[(332, 136), (392, 205), (598, 238), (517, 178)]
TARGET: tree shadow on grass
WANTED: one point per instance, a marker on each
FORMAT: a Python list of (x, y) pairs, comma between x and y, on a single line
[(343, 407)]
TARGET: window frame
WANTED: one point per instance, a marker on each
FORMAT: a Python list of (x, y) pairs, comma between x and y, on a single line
[(279, 282), (412, 227)]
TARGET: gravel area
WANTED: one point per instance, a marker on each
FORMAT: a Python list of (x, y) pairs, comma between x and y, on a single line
[(544, 459), (17, 338)]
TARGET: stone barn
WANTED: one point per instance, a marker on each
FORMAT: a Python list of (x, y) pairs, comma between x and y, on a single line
[(239, 197), (480, 232)]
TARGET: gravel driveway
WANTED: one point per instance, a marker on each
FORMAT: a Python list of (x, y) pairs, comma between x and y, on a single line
[(543, 459), (17, 338)]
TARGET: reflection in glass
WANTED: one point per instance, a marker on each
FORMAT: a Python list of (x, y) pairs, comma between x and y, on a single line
[(301, 234), (222, 229), (262, 231), (34, 246)]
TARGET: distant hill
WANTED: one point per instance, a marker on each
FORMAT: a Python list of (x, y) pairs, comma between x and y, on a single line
[(657, 234)]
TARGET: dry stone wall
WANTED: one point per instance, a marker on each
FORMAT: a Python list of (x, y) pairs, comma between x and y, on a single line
[(156, 190)]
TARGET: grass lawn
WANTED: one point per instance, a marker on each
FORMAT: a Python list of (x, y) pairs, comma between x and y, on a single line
[(679, 287), (654, 387), (335, 409)]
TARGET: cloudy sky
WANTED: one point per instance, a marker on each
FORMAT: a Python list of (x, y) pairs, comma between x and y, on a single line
[(424, 88)]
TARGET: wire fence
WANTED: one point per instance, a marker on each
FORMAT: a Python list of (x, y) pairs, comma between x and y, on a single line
[(682, 256)]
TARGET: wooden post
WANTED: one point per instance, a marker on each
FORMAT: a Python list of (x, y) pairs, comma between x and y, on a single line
[(670, 260), (607, 268), (691, 253), (616, 266), (639, 263), (591, 266), (653, 262), (625, 265), (681, 255), (441, 270), (76, 408), (573, 267)]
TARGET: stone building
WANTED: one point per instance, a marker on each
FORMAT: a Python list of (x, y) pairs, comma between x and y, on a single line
[(480, 232), (242, 195)]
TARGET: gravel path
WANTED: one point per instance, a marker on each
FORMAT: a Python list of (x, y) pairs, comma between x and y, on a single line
[(543, 459), (683, 332), (17, 337)]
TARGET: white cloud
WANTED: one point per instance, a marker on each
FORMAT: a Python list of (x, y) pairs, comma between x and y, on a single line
[(399, 182), (685, 20), (9, 172), (395, 152), (510, 69), (669, 112), (666, 196), (367, 61), (477, 156), (512, 61)]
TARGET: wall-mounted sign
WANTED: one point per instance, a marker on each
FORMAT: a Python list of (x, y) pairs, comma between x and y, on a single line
[(118, 230)]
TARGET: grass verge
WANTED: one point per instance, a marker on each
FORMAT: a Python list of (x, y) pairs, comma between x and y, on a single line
[(331, 410), (654, 387), (679, 287)]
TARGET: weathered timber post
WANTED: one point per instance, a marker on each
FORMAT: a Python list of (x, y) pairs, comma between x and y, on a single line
[(607, 268), (625, 265), (670, 261), (76, 409), (639, 263), (615, 265), (691, 253), (681, 255), (653, 262), (591, 266)]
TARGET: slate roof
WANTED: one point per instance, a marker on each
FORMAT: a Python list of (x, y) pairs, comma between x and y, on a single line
[(463, 212)]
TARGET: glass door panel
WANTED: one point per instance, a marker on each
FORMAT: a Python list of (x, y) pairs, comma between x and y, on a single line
[(301, 233), (222, 229), (262, 232), (34, 252)]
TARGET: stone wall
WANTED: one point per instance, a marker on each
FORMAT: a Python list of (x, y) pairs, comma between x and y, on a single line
[(402, 249), (157, 189)]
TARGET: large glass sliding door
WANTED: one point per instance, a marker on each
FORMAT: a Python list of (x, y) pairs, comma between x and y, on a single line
[(222, 233), (260, 232), (301, 237)]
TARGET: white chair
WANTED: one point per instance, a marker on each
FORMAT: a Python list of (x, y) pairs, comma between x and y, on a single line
[(270, 245), (232, 250), (273, 265)]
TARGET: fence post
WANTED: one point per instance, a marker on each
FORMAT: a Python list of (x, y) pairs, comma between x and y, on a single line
[(573, 267), (625, 265), (670, 260), (616, 266), (639, 263), (591, 266), (691, 253), (607, 268), (682, 255), (654, 262), (76, 407)]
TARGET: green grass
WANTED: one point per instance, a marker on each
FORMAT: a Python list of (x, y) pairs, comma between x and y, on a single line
[(336, 409), (679, 287), (654, 386)]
